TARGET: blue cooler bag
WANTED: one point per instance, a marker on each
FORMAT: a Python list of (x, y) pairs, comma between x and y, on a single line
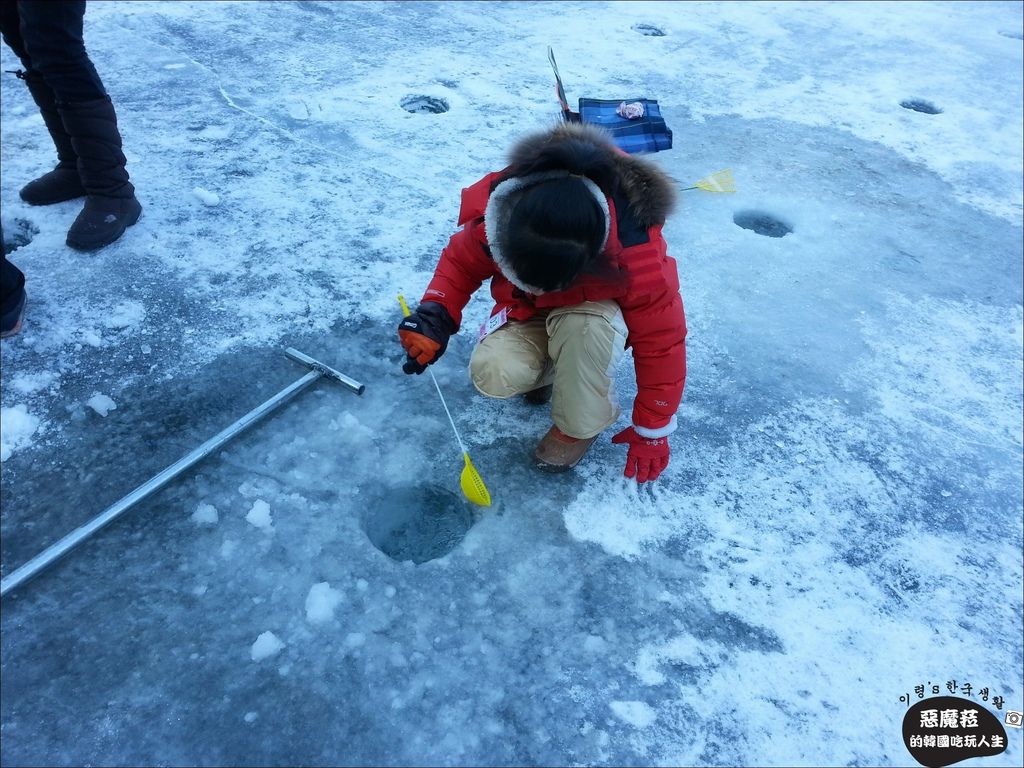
[(644, 133)]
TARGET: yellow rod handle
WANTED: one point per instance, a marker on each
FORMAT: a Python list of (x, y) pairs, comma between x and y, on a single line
[(405, 307)]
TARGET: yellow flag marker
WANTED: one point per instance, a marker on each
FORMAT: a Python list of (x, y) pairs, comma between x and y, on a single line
[(719, 181)]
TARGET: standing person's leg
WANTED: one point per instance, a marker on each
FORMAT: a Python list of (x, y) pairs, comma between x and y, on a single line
[(12, 294), (52, 31), (52, 34), (587, 342), (63, 182)]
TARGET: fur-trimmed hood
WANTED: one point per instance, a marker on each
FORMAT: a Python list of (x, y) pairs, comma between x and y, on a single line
[(649, 190), (499, 210), (587, 152)]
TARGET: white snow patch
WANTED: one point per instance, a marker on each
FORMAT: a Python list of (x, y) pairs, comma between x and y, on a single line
[(127, 314), (30, 383), (268, 644), (352, 428), (684, 649), (17, 426), (259, 515), (206, 197), (617, 515), (321, 602), (205, 514), (102, 404), (214, 132), (636, 713)]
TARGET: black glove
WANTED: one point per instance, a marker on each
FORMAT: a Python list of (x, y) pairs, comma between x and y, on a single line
[(424, 335)]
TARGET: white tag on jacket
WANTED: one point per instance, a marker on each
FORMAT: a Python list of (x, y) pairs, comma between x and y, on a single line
[(493, 323)]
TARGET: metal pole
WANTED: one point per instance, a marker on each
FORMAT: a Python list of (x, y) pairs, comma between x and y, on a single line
[(51, 554), (326, 370)]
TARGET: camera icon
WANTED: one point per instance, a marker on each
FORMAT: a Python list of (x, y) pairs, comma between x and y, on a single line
[(1014, 719)]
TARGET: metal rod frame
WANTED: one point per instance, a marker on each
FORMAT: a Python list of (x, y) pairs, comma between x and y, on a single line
[(56, 551)]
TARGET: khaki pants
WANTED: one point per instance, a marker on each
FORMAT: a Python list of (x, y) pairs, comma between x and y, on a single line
[(575, 348)]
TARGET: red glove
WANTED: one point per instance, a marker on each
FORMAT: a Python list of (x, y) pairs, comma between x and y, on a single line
[(647, 457)]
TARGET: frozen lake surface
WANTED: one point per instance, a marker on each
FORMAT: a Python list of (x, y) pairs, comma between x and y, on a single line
[(842, 517)]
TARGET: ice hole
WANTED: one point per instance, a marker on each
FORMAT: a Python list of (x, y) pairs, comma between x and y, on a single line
[(417, 523), (920, 105), (648, 30), (424, 105), (762, 223)]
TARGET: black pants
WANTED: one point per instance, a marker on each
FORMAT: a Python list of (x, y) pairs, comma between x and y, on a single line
[(47, 36)]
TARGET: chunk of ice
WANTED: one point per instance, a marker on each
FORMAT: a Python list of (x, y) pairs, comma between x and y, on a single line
[(205, 514), (259, 515), (321, 602), (268, 644), (101, 404)]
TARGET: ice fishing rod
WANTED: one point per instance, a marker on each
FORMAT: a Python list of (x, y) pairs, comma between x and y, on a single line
[(54, 552)]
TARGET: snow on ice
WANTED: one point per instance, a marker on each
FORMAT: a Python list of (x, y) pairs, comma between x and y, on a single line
[(842, 518), (636, 713), (206, 197), (32, 383), (17, 426)]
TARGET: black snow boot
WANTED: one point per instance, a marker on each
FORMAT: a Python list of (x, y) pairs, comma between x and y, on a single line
[(110, 205), (63, 182)]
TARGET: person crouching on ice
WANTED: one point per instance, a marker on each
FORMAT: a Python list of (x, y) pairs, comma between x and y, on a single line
[(570, 236)]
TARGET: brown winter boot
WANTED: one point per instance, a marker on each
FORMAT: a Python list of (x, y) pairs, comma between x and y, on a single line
[(557, 452)]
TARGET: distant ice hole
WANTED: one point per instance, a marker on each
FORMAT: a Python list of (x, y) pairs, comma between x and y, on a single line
[(1015, 34), (648, 30), (417, 523), (920, 105), (424, 105), (762, 223)]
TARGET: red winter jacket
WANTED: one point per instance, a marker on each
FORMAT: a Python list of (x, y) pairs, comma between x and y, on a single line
[(643, 279)]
